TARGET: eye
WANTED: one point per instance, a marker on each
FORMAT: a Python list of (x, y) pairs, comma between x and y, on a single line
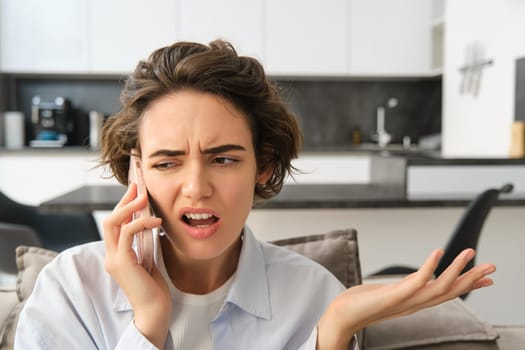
[(164, 165), (225, 160)]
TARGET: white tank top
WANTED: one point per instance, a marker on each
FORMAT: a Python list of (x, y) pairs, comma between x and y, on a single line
[(192, 314)]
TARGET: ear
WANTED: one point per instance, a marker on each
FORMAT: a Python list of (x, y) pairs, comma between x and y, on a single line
[(264, 175)]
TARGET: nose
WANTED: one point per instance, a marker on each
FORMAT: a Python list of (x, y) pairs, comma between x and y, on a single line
[(196, 183)]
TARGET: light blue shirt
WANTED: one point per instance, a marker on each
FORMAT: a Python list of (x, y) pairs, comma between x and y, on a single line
[(274, 302)]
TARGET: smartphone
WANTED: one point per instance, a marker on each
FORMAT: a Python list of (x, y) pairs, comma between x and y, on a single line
[(143, 241)]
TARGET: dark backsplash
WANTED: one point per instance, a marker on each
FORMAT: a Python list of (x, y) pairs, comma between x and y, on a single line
[(329, 110)]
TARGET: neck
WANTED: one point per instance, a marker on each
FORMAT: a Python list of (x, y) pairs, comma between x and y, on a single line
[(198, 276)]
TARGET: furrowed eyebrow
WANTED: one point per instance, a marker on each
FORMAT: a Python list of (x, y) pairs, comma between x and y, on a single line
[(223, 148), (213, 150), (166, 153)]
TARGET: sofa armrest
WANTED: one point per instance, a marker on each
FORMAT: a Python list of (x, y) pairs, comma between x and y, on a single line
[(8, 301), (510, 337)]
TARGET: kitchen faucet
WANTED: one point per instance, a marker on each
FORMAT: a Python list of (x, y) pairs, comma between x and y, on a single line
[(382, 136)]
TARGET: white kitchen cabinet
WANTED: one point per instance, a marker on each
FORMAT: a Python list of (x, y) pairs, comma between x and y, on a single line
[(306, 37), (390, 38), (34, 176), (462, 181), (121, 32), (238, 21), (291, 38), (43, 36)]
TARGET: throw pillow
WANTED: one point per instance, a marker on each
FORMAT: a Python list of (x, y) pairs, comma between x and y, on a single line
[(336, 250), (30, 261), (451, 326)]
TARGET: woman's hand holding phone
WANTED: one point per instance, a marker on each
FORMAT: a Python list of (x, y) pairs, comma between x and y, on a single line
[(147, 293), (144, 237)]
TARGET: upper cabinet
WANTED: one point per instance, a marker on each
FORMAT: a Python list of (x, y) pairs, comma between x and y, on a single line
[(122, 32), (306, 37), (82, 36), (43, 36), (390, 38), (238, 21), (369, 38), (292, 38)]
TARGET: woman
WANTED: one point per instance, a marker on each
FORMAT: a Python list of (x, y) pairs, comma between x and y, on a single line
[(212, 136)]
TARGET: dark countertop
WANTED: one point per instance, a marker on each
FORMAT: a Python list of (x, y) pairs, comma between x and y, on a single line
[(416, 157), (386, 190), (430, 161), (310, 196)]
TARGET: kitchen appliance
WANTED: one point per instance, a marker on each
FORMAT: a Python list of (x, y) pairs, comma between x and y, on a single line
[(56, 123)]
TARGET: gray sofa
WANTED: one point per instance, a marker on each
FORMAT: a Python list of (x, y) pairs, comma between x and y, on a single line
[(451, 325)]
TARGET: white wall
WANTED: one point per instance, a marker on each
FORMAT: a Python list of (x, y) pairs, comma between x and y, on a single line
[(480, 126)]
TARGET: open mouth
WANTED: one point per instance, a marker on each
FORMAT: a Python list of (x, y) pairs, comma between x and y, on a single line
[(199, 220)]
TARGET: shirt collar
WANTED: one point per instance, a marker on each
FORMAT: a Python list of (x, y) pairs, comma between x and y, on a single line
[(249, 290)]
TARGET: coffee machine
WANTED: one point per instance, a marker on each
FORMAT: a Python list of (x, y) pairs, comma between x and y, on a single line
[(56, 123)]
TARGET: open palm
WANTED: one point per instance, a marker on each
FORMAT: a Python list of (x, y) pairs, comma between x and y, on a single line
[(363, 305)]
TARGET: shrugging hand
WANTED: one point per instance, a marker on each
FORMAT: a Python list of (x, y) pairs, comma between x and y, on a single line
[(363, 305), (148, 294)]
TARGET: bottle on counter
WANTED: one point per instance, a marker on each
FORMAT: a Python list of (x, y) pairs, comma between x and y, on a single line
[(517, 143), (357, 137)]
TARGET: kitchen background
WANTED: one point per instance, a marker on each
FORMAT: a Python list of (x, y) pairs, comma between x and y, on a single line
[(344, 58), (455, 68), (331, 112)]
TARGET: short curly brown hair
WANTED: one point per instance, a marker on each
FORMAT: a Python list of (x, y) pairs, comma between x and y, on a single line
[(215, 69)]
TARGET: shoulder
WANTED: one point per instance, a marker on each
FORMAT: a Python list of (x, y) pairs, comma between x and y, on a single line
[(77, 275), (82, 257), (79, 265)]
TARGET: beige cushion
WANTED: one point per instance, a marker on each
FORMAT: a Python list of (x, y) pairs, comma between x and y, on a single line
[(451, 325), (30, 261), (511, 337), (336, 250), (8, 300)]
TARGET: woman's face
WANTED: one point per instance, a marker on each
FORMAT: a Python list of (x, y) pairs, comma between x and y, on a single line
[(200, 170)]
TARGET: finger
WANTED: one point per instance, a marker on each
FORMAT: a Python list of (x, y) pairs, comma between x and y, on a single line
[(121, 215), (124, 213), (401, 294), (471, 280), (444, 282), (457, 265), (130, 229), (417, 280), (408, 291), (482, 283), (111, 225), (130, 194)]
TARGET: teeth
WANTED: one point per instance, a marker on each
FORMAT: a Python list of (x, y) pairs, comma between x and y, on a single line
[(198, 216)]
